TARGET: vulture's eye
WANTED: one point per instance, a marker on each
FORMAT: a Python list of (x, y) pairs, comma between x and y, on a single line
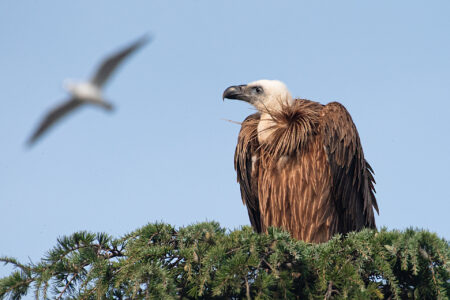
[(257, 90)]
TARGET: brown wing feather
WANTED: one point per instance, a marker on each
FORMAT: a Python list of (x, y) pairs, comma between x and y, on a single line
[(352, 177), (294, 176), (310, 177), (245, 161)]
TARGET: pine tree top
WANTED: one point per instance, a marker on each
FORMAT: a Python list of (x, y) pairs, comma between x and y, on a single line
[(205, 261)]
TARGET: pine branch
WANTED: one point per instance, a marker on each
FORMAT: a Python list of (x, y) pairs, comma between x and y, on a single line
[(66, 286), (202, 261)]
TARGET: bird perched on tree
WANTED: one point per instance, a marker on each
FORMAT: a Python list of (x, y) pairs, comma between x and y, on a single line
[(300, 165), (89, 92)]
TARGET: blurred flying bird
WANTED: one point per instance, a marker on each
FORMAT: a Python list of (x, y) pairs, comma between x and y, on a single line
[(89, 92), (300, 165)]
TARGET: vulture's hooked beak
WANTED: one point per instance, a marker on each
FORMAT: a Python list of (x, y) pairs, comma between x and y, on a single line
[(239, 92)]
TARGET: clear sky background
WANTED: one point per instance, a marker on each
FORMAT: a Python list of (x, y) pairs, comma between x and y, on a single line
[(165, 154)]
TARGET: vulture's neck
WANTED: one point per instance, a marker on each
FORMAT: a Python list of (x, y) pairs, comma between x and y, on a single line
[(267, 124), (266, 127), (282, 132)]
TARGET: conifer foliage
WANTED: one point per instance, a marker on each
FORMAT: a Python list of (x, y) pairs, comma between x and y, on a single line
[(205, 261)]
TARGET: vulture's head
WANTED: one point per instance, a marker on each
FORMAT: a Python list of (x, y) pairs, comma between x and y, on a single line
[(265, 95)]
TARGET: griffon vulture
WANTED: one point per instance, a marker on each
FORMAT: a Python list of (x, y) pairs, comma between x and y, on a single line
[(300, 165), (89, 92)]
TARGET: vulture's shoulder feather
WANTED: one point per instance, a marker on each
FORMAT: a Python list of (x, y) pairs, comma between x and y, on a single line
[(245, 163), (353, 182)]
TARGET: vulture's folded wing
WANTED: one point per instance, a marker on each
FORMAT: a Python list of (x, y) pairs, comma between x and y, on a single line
[(245, 163), (353, 182)]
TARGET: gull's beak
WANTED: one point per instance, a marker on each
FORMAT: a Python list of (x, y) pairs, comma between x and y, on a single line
[(238, 92)]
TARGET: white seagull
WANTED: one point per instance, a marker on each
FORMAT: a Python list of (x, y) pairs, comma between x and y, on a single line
[(87, 92)]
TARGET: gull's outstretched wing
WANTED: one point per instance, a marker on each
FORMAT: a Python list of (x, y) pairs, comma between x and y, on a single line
[(111, 62), (53, 116)]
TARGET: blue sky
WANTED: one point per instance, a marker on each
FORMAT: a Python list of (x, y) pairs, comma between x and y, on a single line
[(165, 154)]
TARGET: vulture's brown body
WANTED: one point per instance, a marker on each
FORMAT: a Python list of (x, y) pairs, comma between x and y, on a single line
[(309, 176)]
